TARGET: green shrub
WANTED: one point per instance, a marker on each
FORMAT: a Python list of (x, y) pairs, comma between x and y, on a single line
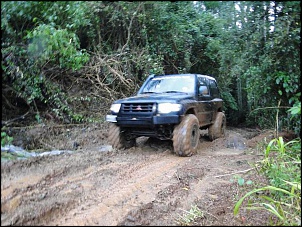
[(6, 139)]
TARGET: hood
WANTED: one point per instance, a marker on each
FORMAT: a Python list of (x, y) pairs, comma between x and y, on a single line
[(156, 98)]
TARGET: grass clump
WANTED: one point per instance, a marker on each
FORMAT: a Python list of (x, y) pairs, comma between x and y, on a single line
[(189, 217), (282, 198)]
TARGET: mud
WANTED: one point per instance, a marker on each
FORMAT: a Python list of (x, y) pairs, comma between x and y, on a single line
[(144, 185)]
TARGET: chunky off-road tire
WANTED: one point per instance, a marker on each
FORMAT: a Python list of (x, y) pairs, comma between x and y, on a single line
[(186, 136), (117, 138), (217, 129)]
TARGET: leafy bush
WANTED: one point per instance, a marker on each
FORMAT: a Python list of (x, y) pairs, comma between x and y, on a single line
[(6, 139), (295, 112), (49, 45)]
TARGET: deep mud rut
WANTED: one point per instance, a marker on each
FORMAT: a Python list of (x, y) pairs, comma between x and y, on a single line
[(144, 185)]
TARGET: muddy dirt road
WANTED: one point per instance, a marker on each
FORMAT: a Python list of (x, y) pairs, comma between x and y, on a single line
[(144, 185)]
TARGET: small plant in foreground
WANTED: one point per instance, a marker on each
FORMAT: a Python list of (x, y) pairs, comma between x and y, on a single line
[(241, 180), (189, 216)]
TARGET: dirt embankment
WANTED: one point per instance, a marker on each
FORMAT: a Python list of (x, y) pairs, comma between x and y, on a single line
[(143, 185)]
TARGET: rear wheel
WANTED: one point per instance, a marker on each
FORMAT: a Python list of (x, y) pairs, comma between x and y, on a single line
[(186, 136), (118, 139), (217, 129)]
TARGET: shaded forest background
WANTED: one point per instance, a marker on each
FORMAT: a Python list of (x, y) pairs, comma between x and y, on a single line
[(67, 61)]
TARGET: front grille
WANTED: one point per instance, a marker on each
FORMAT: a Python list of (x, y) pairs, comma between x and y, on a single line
[(137, 107)]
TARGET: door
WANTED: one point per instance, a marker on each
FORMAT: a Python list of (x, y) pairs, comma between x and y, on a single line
[(205, 108)]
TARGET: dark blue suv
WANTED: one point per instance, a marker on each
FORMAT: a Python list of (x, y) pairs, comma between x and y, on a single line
[(169, 107)]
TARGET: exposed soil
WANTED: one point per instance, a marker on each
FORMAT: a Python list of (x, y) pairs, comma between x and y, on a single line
[(144, 185)]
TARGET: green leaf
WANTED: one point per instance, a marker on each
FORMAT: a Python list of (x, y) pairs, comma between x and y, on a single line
[(249, 182), (295, 110), (240, 181)]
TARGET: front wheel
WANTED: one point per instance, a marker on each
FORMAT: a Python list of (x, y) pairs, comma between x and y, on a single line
[(118, 139), (217, 129), (186, 136)]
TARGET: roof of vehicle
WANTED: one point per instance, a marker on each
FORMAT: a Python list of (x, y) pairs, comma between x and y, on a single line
[(186, 74)]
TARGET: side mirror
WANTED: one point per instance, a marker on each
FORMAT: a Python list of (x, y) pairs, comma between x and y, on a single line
[(203, 90)]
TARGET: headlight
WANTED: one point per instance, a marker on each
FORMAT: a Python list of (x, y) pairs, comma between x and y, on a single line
[(115, 108), (168, 107)]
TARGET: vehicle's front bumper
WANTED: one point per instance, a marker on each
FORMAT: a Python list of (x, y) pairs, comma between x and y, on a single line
[(143, 121)]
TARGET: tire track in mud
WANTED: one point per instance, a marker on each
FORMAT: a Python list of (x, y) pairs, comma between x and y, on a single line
[(27, 192), (86, 184), (132, 187)]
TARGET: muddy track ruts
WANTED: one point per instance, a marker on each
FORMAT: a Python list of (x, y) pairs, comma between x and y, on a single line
[(135, 184)]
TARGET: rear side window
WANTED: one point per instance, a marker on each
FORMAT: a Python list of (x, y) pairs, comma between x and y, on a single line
[(214, 89), (203, 81)]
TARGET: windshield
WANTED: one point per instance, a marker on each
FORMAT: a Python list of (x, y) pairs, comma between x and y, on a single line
[(182, 83)]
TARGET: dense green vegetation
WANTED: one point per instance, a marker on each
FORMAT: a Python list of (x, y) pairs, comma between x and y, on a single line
[(72, 58)]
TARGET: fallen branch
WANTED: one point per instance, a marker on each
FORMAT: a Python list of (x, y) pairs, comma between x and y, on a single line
[(6, 123), (243, 171)]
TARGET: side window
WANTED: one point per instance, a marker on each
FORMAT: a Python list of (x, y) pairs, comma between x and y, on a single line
[(214, 89), (203, 86)]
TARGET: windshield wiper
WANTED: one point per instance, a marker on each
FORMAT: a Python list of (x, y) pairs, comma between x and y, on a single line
[(171, 91), (176, 92), (148, 92)]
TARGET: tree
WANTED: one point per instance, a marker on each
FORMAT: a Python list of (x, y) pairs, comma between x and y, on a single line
[(252, 48)]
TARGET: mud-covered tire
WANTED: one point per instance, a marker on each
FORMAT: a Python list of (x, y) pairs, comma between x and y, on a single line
[(117, 139), (217, 129), (186, 136)]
